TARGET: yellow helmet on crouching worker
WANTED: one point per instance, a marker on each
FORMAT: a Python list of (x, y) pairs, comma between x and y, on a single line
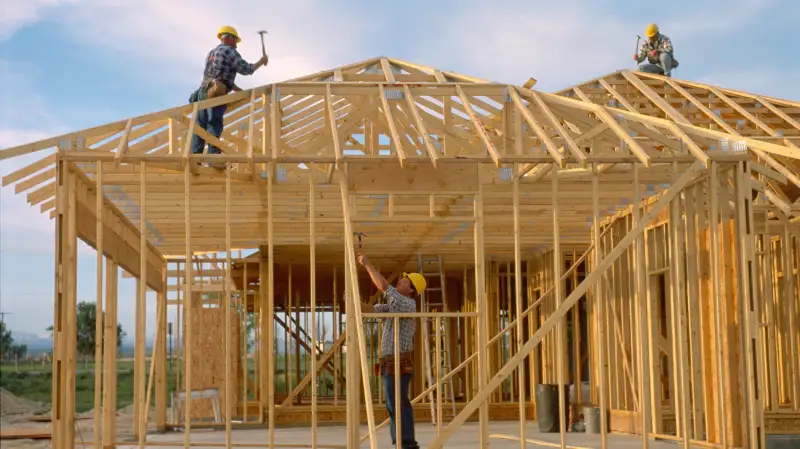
[(417, 280), (651, 30), (228, 30)]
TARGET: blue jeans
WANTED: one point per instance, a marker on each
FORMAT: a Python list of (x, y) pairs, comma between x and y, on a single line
[(211, 121), (406, 412), (664, 66)]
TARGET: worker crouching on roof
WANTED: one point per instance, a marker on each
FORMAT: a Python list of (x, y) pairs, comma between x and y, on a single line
[(222, 65), (658, 51), (397, 299)]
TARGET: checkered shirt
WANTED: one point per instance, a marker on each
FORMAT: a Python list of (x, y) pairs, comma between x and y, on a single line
[(662, 45), (223, 63), (397, 303)]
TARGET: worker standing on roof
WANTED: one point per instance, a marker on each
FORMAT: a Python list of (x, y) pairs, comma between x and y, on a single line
[(658, 51), (398, 299), (222, 65)]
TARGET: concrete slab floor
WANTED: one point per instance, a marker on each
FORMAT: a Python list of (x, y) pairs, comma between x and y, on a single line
[(465, 437)]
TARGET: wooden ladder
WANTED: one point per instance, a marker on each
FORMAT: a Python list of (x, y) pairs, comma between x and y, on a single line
[(433, 300)]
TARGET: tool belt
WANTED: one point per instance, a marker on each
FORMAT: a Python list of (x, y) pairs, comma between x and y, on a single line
[(215, 88), (386, 364)]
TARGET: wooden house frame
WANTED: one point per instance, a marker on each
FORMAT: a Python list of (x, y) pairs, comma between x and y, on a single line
[(657, 212)]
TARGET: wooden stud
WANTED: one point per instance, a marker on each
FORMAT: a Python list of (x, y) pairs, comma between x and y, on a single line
[(518, 305), (748, 307), (188, 304), (480, 299), (313, 287), (356, 307), (99, 307), (720, 309), (229, 301), (561, 327), (141, 315), (110, 356), (398, 431), (269, 301), (600, 311), (640, 268)]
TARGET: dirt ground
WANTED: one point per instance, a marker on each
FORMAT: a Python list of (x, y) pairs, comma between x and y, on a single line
[(19, 413)]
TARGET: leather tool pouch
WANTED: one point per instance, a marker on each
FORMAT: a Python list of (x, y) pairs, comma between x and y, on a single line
[(386, 366), (216, 89)]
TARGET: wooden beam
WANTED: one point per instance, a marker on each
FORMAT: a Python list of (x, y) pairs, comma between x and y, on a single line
[(600, 311), (572, 145), (29, 169), (518, 305), (123, 142), (396, 140), (99, 310), (606, 118), (423, 132), (478, 126), (558, 314), (330, 118), (110, 355), (353, 293), (121, 237), (187, 140), (313, 293), (536, 127), (387, 71)]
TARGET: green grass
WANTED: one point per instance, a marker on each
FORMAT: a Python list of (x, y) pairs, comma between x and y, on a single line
[(36, 385)]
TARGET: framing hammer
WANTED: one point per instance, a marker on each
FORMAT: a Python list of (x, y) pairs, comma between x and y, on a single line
[(638, 38), (263, 47), (359, 235)]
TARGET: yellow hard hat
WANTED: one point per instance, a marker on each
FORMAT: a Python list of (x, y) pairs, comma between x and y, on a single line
[(417, 280), (228, 30), (651, 30)]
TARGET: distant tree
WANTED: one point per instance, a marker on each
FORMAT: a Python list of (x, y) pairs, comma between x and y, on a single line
[(6, 341), (87, 322)]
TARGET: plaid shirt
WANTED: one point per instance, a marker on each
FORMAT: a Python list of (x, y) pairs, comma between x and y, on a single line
[(223, 63), (397, 303), (661, 45)]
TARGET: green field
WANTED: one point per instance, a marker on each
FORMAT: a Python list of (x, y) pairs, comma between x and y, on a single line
[(35, 384)]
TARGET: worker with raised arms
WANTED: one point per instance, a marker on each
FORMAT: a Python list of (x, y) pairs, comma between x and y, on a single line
[(657, 50), (223, 63), (397, 299)]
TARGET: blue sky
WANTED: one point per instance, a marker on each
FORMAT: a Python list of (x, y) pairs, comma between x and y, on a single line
[(70, 64)]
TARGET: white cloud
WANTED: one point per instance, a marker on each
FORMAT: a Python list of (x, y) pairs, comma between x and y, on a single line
[(16, 15), (169, 40), (558, 44), (567, 42), (716, 16)]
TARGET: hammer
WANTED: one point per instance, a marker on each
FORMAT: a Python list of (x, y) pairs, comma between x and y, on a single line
[(263, 47), (638, 38), (359, 235)]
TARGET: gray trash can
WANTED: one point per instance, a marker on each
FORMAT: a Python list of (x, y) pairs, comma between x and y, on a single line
[(591, 419), (547, 407)]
